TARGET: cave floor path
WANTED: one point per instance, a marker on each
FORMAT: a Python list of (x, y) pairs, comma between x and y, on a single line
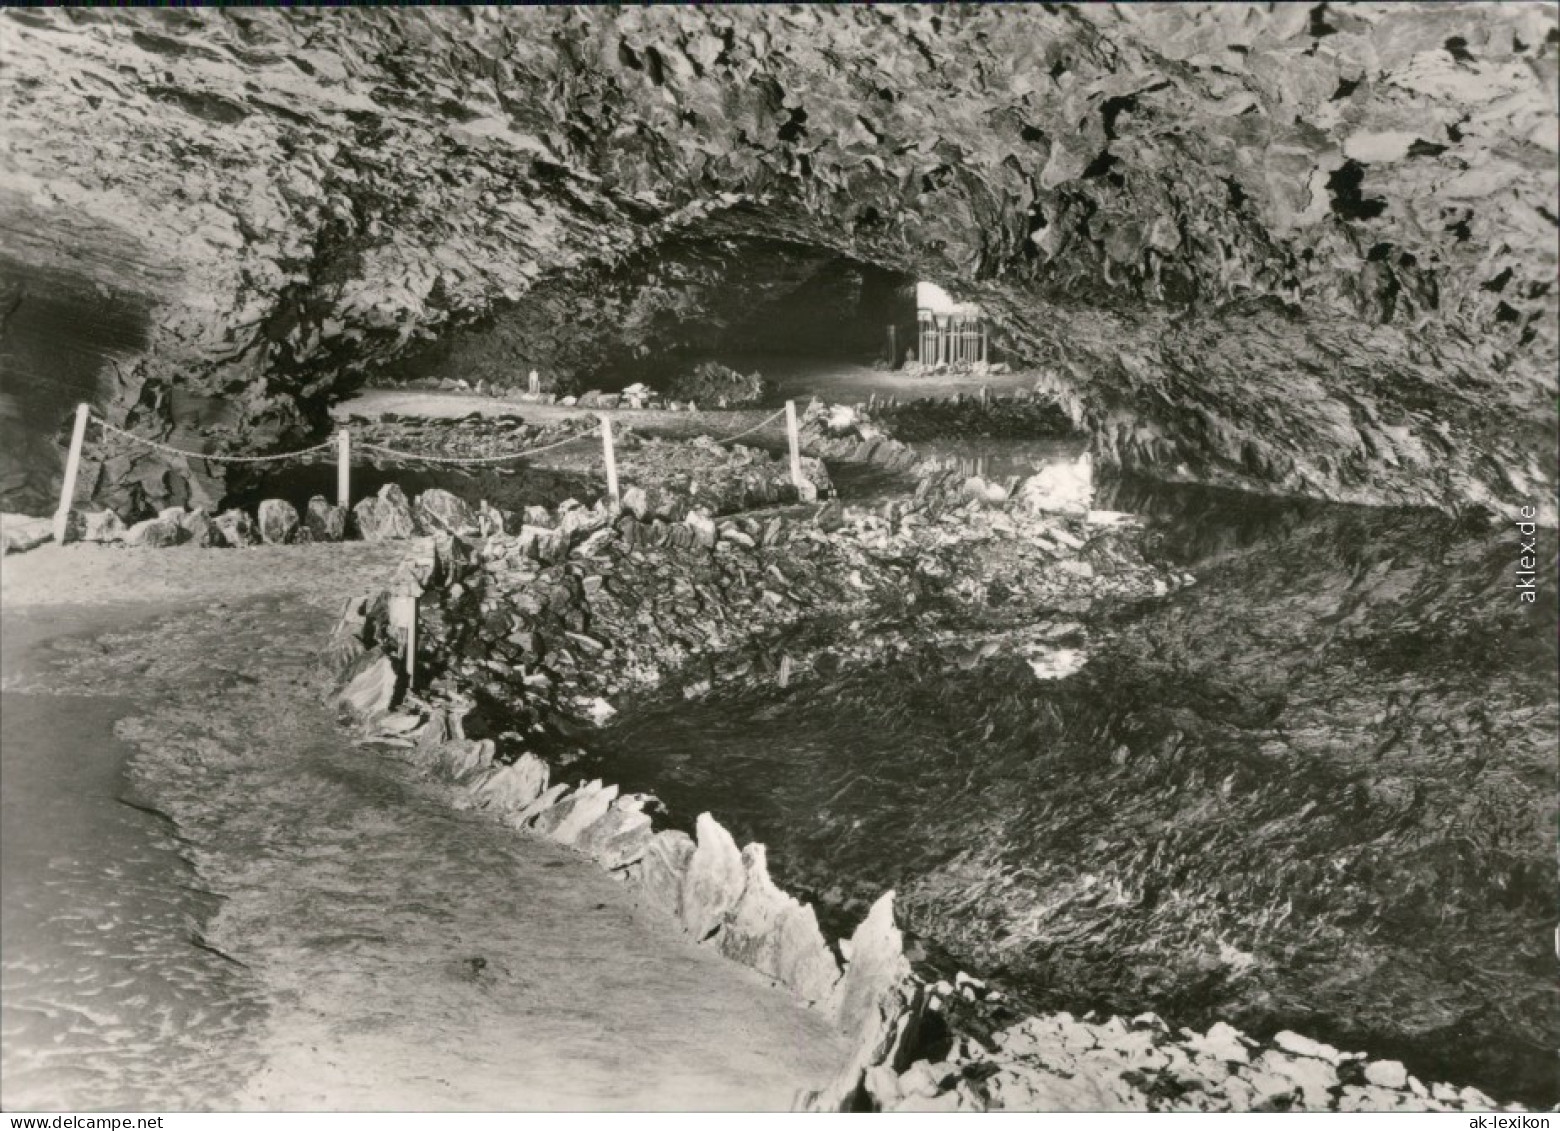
[(798, 378), (393, 951)]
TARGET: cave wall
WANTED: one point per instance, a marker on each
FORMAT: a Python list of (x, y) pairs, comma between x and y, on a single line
[(61, 338), (1309, 249)]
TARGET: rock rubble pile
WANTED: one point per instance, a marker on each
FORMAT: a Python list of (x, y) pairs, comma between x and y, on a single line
[(667, 481)]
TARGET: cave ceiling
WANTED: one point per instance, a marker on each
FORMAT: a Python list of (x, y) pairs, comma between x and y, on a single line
[(1306, 249)]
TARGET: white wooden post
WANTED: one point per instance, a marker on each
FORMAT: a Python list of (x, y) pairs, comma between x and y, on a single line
[(411, 645), (795, 440), (72, 466), (403, 615), (611, 458), (343, 468)]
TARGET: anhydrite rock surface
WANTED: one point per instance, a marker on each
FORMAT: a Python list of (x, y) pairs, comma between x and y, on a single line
[(665, 864), (463, 758), (438, 511), (23, 532), (714, 881), (876, 988), (325, 521), (570, 818), (156, 533), (198, 526), (235, 528), (618, 838), (384, 516), (102, 526), (776, 935), (1304, 249), (370, 691)]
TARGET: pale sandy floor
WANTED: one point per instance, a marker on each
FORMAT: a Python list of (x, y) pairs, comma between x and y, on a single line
[(648, 421), (841, 381), (798, 378), (388, 952)]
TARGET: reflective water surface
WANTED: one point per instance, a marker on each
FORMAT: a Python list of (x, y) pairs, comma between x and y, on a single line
[(1312, 791)]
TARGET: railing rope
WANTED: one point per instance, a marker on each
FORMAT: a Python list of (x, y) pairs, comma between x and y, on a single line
[(345, 450)]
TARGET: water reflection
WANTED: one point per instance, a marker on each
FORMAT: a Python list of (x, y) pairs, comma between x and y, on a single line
[(995, 459), (1306, 792)]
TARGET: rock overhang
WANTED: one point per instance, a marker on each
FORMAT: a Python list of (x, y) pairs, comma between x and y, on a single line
[(1268, 248)]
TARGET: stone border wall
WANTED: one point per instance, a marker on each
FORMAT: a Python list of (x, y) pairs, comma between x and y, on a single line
[(750, 478), (721, 895)]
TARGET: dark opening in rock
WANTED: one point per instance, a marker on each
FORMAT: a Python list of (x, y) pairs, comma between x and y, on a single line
[(1457, 48), (1498, 283), (1348, 200), (1319, 25)]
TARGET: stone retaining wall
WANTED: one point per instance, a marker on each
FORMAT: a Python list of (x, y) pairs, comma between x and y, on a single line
[(720, 894), (678, 478)]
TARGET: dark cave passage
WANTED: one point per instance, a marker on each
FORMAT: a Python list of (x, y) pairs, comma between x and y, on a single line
[(60, 335), (845, 310), (705, 297)]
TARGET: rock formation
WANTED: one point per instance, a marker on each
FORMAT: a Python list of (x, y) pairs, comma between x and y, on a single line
[(1302, 249)]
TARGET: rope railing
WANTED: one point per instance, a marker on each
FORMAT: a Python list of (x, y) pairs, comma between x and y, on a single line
[(216, 457), (343, 444), (767, 420)]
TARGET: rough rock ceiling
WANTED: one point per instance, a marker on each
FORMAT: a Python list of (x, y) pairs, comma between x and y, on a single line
[(1307, 249)]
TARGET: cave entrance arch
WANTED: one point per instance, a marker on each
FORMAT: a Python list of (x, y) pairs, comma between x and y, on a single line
[(746, 302), (839, 310)]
